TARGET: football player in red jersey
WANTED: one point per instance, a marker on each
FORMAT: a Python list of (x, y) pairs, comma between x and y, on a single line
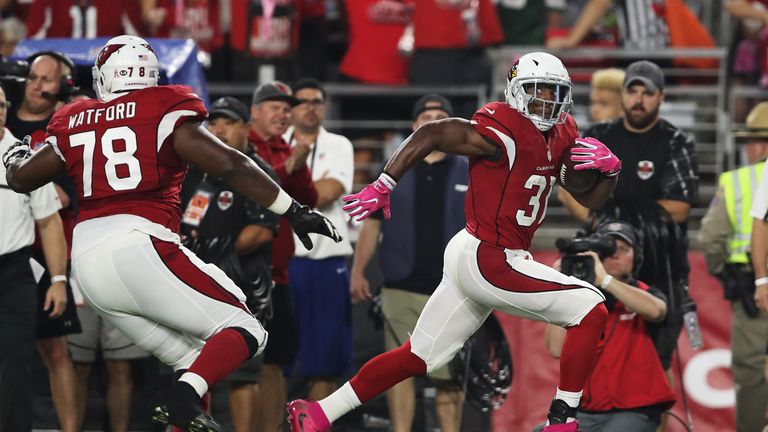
[(127, 153), (515, 149)]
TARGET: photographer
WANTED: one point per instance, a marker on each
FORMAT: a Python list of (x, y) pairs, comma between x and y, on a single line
[(628, 389)]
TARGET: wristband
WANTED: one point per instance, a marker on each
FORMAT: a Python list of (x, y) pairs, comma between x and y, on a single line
[(761, 281), (58, 278), (281, 204), (388, 180), (606, 280)]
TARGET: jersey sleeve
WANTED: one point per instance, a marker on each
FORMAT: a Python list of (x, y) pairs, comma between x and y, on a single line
[(54, 131), (183, 104), (488, 123)]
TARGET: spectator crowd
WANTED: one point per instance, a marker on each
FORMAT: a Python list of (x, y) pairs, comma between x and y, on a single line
[(289, 51)]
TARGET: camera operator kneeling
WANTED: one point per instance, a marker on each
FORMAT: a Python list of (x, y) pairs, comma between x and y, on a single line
[(628, 389)]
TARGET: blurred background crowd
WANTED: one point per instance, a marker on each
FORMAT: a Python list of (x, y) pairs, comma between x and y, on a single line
[(321, 92)]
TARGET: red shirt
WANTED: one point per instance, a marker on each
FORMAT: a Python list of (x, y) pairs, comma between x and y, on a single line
[(196, 19), (247, 30), (628, 373), (67, 19), (298, 184), (120, 153), (372, 55), (441, 27), (507, 199), (311, 8)]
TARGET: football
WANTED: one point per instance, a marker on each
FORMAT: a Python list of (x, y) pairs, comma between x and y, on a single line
[(576, 181)]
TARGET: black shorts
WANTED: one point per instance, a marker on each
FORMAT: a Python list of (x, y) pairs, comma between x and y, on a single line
[(65, 324), (282, 343), (17, 302)]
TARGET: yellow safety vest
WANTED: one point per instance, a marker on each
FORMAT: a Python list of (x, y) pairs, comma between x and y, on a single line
[(737, 186)]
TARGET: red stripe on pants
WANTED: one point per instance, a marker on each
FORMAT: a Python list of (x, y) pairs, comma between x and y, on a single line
[(188, 272)]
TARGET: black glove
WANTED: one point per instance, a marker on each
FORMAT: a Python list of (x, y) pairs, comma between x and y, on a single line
[(304, 220), (18, 150)]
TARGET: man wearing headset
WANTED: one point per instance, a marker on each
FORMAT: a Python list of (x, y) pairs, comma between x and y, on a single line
[(627, 389), (49, 83)]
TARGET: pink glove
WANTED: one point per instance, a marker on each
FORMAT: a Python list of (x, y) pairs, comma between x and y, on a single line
[(373, 197), (595, 155)]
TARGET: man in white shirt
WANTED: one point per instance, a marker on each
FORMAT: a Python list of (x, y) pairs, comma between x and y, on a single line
[(320, 277), (19, 214)]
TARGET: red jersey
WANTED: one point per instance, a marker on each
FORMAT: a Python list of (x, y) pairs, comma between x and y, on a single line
[(82, 19), (628, 373), (248, 30), (440, 27), (298, 184), (120, 153), (372, 56), (507, 197), (195, 19)]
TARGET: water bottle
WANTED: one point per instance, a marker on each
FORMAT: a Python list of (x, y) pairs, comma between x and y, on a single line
[(691, 323)]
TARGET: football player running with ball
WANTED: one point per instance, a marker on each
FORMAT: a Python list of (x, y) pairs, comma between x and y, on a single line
[(515, 150), (127, 153)]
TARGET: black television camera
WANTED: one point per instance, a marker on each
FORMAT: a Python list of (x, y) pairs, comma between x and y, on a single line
[(13, 75), (580, 266)]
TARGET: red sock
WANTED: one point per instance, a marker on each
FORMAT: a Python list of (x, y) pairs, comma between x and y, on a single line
[(221, 355), (580, 349), (385, 370)]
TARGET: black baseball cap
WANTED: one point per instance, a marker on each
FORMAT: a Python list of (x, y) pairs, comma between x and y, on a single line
[(430, 102), (620, 229), (275, 90), (648, 73), (229, 107)]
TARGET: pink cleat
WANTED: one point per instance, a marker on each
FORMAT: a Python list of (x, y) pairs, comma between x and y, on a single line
[(307, 416), (564, 427)]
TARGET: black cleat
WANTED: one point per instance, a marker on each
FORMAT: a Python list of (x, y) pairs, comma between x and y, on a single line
[(180, 406)]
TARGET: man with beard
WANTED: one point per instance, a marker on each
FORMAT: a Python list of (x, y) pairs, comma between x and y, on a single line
[(655, 190)]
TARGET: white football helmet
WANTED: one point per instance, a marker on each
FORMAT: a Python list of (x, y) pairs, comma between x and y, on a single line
[(533, 75), (125, 63)]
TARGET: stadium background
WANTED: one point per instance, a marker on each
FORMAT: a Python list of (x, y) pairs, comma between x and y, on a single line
[(698, 102)]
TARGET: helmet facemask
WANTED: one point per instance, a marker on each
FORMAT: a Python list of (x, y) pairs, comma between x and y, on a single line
[(539, 87)]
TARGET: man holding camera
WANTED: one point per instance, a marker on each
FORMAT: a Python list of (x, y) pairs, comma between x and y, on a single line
[(724, 237), (628, 389)]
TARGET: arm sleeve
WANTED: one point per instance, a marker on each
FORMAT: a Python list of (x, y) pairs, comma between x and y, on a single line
[(680, 180), (760, 201)]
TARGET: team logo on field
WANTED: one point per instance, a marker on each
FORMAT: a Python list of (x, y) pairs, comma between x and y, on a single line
[(645, 169), (225, 200)]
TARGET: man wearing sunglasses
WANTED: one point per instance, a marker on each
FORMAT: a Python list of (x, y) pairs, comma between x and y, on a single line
[(320, 277)]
